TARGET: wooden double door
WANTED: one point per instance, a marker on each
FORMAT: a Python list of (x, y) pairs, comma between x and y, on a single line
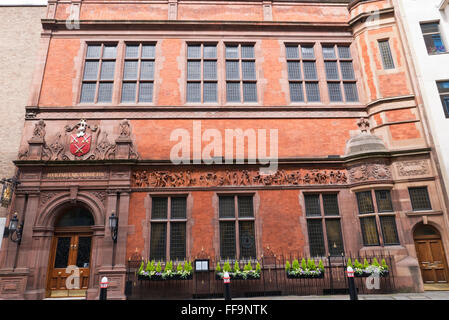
[(431, 257), (69, 265)]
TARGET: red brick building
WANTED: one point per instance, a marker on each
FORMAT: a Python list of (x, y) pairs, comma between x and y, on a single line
[(118, 86)]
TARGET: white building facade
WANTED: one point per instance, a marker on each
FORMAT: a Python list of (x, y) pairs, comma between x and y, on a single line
[(426, 28)]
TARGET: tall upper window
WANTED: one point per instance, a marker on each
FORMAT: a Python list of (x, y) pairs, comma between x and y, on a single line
[(340, 73), (443, 89), (98, 75), (385, 53), (323, 224), (237, 234), (241, 83), (301, 60), (138, 73), (377, 215), (168, 228), (432, 37), (202, 73)]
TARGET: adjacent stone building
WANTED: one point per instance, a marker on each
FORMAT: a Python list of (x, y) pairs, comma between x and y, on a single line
[(163, 112)]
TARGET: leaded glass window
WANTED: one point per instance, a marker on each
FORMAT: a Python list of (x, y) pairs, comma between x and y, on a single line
[(138, 73), (420, 198), (98, 75), (202, 78), (385, 53)]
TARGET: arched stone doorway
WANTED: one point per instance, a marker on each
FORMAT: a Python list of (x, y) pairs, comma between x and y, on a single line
[(431, 256), (70, 254)]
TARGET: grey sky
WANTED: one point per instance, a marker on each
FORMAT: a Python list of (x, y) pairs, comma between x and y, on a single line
[(22, 2)]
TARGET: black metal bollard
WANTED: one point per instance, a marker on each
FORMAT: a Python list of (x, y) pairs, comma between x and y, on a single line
[(104, 288), (227, 286), (351, 283)]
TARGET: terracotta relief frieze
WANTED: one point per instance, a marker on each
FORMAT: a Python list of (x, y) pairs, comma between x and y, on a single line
[(413, 168), (369, 172), (47, 196), (187, 178)]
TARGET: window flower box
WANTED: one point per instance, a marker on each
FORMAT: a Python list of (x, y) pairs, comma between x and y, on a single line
[(366, 269), (155, 273), (236, 274), (307, 270)]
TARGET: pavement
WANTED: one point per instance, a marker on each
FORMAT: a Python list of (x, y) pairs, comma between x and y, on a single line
[(426, 295)]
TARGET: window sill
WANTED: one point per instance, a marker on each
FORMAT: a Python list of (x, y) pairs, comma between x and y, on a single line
[(424, 213)]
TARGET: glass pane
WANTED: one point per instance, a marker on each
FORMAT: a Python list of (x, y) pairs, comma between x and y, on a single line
[(148, 51), (158, 241), (310, 70), (233, 91), (178, 207), (194, 51), (91, 70), (334, 91), (83, 257), (107, 70), (296, 92), (329, 52), (88, 92), (430, 27), (332, 70), (105, 92), (193, 92), (294, 70), (109, 52), (316, 240), (312, 202), (194, 70), (292, 52), (334, 238), (159, 208), (383, 199), (210, 92), (369, 231), (420, 199), (245, 205), (351, 92), (177, 241), (232, 70), (132, 51), (347, 70), (344, 52), (75, 217), (130, 70), (389, 230), (146, 92), (247, 52), (147, 70), (210, 70), (330, 205), (434, 43), (129, 92), (62, 252), (247, 239), (365, 202), (249, 92), (248, 70), (227, 240), (226, 207), (210, 51), (93, 51), (232, 52), (385, 52), (307, 52), (313, 92)]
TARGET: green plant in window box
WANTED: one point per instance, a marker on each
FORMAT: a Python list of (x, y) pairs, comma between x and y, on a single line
[(307, 269)]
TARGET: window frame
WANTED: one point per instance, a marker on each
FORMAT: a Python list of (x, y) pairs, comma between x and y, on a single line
[(388, 62), (323, 217), (236, 219), (377, 214), (444, 96), (424, 34), (168, 221), (98, 79), (138, 79), (427, 196)]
